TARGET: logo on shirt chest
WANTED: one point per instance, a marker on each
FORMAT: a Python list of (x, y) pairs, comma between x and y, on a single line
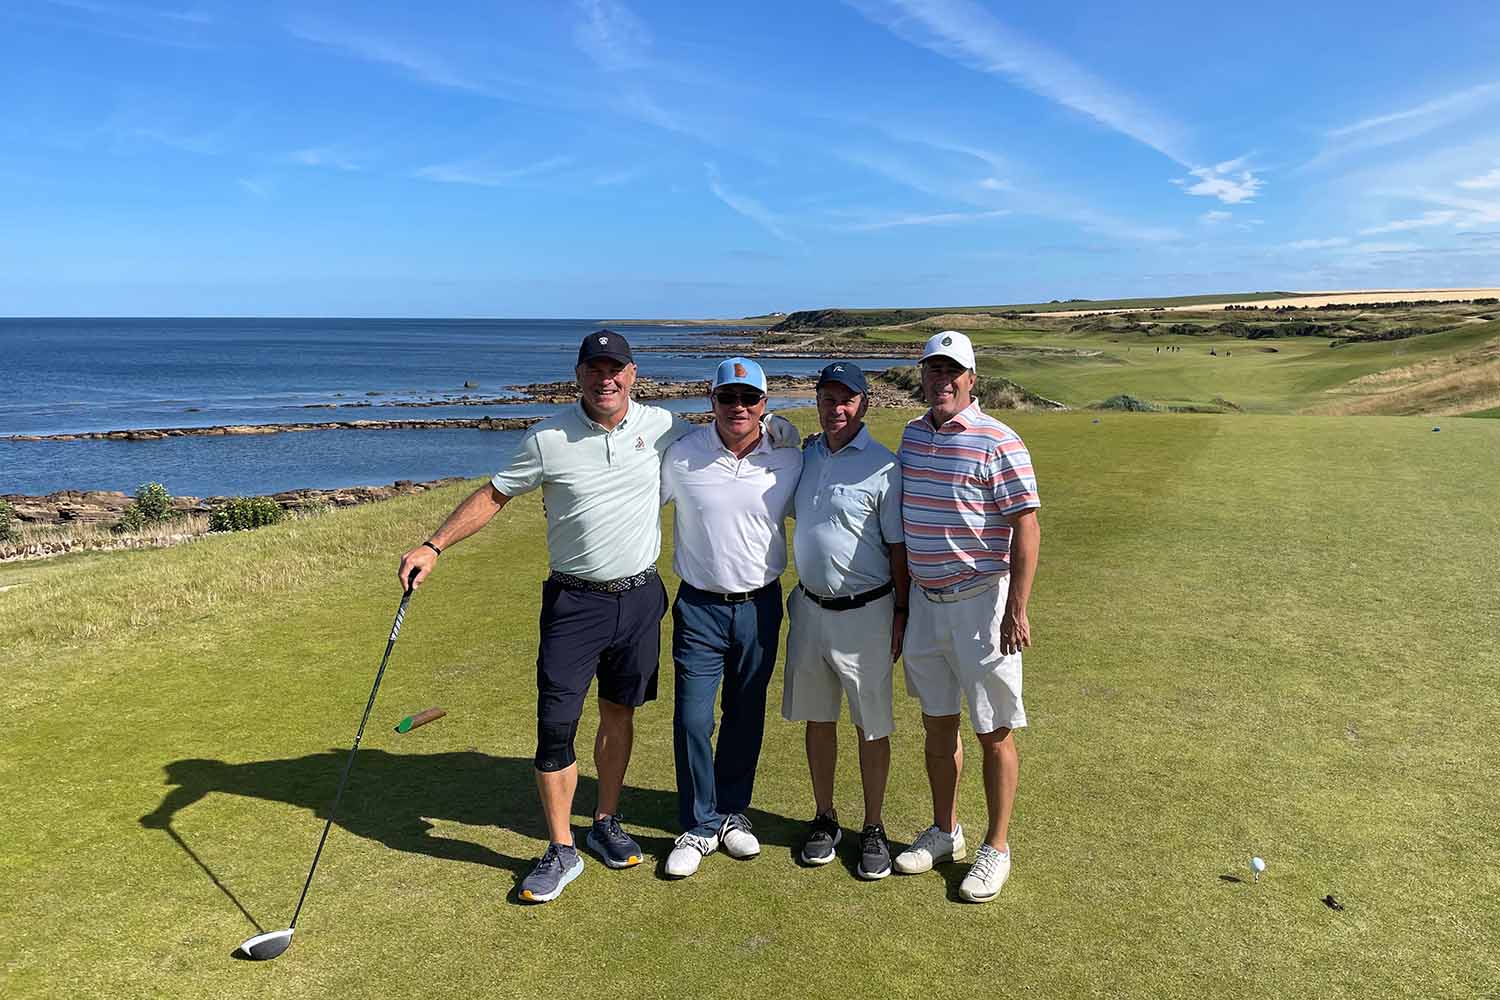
[(640, 443)]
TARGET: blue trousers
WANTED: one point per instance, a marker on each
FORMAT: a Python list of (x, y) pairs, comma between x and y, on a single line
[(714, 644)]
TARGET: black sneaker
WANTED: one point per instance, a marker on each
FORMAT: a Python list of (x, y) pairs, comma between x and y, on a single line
[(614, 846), (823, 836), (560, 864), (874, 853)]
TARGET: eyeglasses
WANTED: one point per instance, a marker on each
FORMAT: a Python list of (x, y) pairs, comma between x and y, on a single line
[(745, 399)]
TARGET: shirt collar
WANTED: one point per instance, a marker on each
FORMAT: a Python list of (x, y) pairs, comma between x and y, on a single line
[(858, 443), (594, 425), (965, 418), (763, 445)]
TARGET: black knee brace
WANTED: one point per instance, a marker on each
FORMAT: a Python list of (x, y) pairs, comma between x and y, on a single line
[(554, 745)]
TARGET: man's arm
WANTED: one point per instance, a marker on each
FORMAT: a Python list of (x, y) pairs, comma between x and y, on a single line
[(1025, 543), (901, 579), (468, 517)]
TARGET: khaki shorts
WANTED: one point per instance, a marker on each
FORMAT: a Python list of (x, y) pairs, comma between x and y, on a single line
[(834, 654), (952, 652)]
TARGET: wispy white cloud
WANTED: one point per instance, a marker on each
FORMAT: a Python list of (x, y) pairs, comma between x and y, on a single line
[(414, 61), (1224, 181), (965, 32), (1398, 126), (252, 186), (1484, 182), (1328, 244), (747, 206), (133, 12), (612, 35), (324, 156), (1383, 247), (1215, 216), (930, 219), (472, 172), (1424, 221)]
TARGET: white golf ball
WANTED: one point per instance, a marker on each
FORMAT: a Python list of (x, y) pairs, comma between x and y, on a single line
[(1257, 865)]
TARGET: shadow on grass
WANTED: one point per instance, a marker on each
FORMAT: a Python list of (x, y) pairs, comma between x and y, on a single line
[(395, 799)]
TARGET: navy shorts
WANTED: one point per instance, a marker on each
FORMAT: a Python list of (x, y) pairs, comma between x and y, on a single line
[(616, 637)]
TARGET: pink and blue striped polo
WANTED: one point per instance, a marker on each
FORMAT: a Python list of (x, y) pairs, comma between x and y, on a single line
[(959, 484)]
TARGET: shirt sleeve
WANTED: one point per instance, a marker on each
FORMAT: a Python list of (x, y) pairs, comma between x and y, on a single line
[(890, 506), (1012, 477), (667, 494), (524, 472)]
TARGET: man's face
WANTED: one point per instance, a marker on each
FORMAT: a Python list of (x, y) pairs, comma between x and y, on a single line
[(946, 383), (840, 410), (605, 384), (738, 408)]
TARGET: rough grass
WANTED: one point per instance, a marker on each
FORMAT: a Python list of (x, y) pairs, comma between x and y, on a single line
[(1255, 635)]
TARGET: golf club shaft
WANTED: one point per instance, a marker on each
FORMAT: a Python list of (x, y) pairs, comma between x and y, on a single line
[(349, 763)]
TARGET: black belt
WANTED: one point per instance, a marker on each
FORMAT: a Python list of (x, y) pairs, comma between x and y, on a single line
[(570, 582), (741, 598), (852, 601)]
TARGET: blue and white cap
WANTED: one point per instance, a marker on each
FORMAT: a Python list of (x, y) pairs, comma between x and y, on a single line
[(950, 344), (740, 371), (848, 374)]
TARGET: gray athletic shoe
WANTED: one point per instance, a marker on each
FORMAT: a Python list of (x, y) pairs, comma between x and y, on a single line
[(560, 864), (614, 846), (823, 836), (874, 853)]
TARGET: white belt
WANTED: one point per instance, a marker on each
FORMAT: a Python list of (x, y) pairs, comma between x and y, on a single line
[(950, 597)]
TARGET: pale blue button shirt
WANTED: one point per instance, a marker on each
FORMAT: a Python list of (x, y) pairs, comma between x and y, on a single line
[(848, 509)]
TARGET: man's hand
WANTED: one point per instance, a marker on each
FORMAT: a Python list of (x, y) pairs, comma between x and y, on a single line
[(422, 559), (782, 432), (1015, 631), (898, 633)]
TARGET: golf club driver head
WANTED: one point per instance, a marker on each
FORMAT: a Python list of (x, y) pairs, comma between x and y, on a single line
[(266, 946)]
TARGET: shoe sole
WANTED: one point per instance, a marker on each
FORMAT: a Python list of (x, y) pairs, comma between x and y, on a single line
[(955, 856), (970, 897), (838, 835), (567, 877), (873, 876), (598, 849)]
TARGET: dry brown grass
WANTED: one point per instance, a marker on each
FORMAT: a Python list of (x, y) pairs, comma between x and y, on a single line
[(39, 541), (1465, 383)]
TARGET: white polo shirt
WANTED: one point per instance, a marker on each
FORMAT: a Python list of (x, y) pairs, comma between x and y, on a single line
[(600, 487), (848, 511), (731, 512)]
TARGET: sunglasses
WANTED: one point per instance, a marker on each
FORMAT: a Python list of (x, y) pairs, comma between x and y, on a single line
[(745, 399)]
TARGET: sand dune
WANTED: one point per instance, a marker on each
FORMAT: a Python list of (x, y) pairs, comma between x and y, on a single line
[(1309, 300)]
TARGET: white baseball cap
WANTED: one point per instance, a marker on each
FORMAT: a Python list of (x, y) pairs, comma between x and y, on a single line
[(950, 344)]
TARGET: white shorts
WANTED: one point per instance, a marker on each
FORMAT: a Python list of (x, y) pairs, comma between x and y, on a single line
[(952, 650), (830, 654)]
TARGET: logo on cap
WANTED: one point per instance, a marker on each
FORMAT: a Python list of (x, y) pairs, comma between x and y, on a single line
[(605, 340), (947, 341), (838, 368), (739, 370)]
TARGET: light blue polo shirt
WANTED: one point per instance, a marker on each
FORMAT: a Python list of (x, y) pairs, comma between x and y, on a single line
[(848, 508)]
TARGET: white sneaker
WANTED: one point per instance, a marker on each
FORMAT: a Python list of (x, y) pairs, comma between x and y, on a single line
[(932, 846), (991, 869), (688, 853), (737, 839)]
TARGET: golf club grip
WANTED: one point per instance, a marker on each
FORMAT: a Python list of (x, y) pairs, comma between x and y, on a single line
[(425, 716)]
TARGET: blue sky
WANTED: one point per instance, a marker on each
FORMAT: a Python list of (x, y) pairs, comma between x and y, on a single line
[(609, 159)]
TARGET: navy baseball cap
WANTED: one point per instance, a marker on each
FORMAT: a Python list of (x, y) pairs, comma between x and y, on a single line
[(847, 374), (605, 344)]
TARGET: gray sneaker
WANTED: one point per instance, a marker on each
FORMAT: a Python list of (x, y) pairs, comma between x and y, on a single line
[(932, 847), (874, 853), (823, 836), (560, 864), (614, 846)]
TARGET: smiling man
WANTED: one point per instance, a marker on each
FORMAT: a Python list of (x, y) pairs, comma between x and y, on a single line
[(849, 611), (969, 503), (733, 493), (598, 465)]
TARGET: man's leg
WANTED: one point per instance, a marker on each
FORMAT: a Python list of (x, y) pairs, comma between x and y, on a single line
[(822, 760), (751, 659), (945, 761), (612, 745), (556, 788), (874, 772), (1002, 768), (699, 640)]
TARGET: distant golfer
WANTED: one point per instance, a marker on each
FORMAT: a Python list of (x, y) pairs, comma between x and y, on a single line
[(599, 467), (733, 493), (848, 613), (969, 511)]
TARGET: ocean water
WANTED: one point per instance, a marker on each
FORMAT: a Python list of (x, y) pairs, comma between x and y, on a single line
[(78, 375)]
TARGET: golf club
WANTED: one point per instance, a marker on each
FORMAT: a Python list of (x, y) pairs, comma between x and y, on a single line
[(272, 943)]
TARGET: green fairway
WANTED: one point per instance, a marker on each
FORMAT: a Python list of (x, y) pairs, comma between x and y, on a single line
[(1255, 635)]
